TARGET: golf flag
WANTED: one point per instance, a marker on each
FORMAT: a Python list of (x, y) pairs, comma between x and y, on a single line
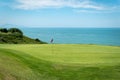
[(51, 41)]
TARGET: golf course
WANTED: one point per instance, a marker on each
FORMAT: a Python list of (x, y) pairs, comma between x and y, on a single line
[(59, 62)]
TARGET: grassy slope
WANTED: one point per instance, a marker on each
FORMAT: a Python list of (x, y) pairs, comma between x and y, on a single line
[(9, 38), (59, 62)]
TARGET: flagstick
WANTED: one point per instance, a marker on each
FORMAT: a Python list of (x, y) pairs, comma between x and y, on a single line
[(52, 51), (52, 48)]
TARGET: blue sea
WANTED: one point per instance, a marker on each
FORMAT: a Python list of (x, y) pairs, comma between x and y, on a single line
[(102, 36)]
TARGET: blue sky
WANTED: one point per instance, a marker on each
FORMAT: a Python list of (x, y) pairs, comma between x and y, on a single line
[(60, 13)]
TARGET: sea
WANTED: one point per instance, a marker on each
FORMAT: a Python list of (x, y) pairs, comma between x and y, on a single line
[(100, 36)]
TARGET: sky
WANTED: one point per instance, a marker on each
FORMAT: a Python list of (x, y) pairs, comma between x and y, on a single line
[(61, 13)]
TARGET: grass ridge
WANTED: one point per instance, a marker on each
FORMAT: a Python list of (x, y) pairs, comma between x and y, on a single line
[(23, 66)]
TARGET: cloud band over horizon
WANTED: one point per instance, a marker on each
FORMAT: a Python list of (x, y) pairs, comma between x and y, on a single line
[(36, 4), (75, 4)]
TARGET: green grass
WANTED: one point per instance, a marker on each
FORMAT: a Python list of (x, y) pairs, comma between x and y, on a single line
[(59, 62), (16, 38)]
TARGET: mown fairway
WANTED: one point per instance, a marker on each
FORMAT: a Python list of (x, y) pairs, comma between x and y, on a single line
[(59, 62)]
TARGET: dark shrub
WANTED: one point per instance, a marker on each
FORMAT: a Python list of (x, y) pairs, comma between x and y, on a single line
[(16, 35), (37, 40), (3, 30), (15, 30)]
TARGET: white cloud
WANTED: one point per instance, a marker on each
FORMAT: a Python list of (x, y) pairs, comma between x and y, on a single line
[(92, 11), (38, 4), (105, 10)]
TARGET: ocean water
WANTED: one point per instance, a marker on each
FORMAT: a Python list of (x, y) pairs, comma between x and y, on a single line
[(102, 36)]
